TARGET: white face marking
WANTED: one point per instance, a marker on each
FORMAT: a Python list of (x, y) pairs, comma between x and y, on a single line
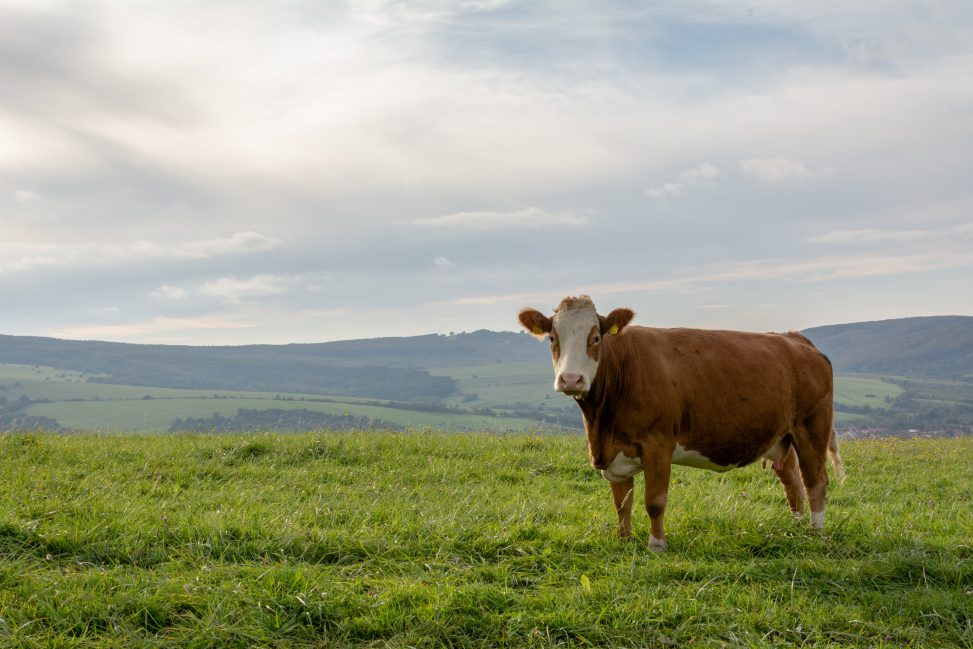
[(572, 327), (687, 457), (622, 468), (817, 520)]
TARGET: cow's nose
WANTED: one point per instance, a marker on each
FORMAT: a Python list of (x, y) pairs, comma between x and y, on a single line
[(570, 382)]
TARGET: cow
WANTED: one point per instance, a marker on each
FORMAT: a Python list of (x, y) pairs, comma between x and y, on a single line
[(708, 399)]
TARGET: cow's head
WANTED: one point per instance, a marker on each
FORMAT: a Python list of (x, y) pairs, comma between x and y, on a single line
[(576, 332)]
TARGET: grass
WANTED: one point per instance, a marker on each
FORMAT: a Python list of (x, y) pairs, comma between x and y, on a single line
[(429, 539)]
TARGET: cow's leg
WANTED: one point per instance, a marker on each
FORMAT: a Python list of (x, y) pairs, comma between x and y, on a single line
[(790, 476), (658, 465), (622, 495), (811, 443)]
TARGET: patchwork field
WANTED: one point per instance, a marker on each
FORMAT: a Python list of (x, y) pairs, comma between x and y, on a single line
[(155, 415), (430, 540), (77, 404), (865, 391), (503, 383)]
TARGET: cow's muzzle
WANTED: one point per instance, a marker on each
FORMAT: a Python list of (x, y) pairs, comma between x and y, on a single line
[(573, 385)]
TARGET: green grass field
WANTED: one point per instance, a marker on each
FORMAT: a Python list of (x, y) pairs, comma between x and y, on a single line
[(864, 391), (503, 383), (430, 540)]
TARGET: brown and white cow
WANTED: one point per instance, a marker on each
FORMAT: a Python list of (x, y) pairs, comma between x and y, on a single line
[(714, 400)]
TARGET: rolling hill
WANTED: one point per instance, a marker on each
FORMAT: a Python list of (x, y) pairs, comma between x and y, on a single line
[(915, 373), (929, 347), (932, 347)]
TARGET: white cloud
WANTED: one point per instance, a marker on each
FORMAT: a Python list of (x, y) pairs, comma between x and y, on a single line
[(170, 292), (238, 243), (531, 218), (776, 170), (874, 235), (24, 196), (701, 175), (850, 266), (235, 290), (443, 262), (149, 328), (22, 257)]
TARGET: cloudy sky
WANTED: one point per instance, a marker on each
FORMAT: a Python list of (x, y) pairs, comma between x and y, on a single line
[(223, 172)]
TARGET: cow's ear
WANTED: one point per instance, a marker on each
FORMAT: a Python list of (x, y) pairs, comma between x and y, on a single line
[(535, 322), (615, 321)]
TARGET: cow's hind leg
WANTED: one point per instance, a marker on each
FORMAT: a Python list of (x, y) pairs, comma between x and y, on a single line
[(811, 444), (790, 477), (622, 495)]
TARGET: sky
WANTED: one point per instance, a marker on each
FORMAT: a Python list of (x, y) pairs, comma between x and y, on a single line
[(241, 171)]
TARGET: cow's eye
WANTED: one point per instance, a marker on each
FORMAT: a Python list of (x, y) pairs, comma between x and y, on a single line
[(596, 340)]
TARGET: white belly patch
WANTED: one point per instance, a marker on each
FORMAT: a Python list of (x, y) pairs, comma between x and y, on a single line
[(688, 457), (622, 468)]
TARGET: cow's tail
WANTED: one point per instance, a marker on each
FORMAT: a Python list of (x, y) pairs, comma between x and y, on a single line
[(839, 466)]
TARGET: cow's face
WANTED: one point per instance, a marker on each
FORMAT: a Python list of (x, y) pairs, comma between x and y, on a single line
[(576, 331)]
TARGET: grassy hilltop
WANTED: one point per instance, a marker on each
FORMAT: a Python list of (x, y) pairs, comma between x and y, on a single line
[(439, 539)]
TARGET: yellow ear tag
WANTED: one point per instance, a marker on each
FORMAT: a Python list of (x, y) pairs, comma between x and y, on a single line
[(538, 331), (613, 330)]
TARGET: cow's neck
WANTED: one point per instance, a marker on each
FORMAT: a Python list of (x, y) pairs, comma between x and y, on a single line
[(606, 386)]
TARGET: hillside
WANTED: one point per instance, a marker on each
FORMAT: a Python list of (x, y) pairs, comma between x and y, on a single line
[(893, 376), (932, 347), (385, 368)]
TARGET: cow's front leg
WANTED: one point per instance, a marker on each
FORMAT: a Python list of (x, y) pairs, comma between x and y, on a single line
[(622, 495), (658, 465)]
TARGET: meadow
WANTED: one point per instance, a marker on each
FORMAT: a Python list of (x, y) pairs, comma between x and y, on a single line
[(427, 539)]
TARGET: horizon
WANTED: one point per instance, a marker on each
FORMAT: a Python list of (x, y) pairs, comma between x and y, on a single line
[(212, 174), (434, 333)]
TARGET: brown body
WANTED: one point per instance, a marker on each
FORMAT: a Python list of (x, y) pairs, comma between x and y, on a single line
[(711, 399), (729, 395)]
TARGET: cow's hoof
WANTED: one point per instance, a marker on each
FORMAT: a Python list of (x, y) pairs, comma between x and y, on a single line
[(657, 545), (817, 520)]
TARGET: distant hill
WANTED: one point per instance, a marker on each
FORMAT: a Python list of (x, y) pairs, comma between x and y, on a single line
[(473, 381), (934, 347), (383, 368), (397, 368), (264, 368)]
